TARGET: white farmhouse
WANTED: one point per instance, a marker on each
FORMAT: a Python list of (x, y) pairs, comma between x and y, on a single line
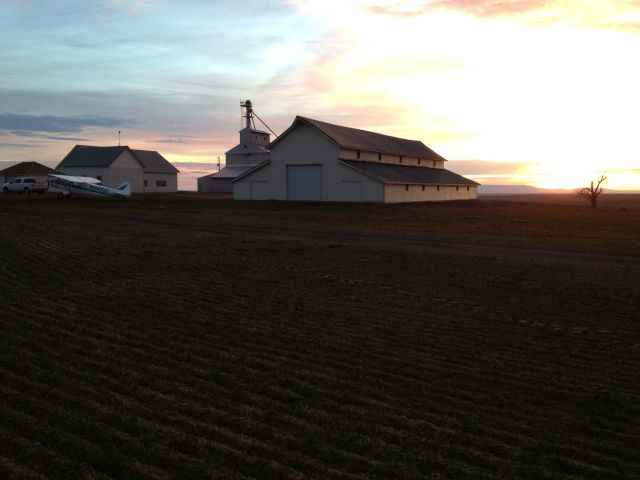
[(145, 170), (318, 161)]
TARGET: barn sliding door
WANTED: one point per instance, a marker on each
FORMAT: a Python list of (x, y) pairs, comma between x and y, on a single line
[(304, 183)]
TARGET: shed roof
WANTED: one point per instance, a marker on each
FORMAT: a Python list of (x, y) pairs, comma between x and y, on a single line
[(152, 161), (407, 174), (92, 156), (354, 138), (28, 168)]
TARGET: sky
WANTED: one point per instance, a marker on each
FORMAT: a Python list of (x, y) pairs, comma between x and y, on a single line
[(531, 92)]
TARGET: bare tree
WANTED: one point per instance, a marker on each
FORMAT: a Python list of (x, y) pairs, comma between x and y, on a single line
[(593, 192)]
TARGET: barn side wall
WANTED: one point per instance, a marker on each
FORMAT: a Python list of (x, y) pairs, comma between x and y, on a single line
[(394, 193), (366, 156)]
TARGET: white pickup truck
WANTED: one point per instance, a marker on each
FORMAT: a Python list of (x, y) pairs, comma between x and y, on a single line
[(24, 185)]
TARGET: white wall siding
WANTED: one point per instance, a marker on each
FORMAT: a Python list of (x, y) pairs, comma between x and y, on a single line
[(152, 179), (399, 193), (305, 146)]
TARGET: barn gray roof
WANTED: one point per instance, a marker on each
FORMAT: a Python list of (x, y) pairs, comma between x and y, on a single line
[(92, 156), (356, 139), (406, 174), (28, 168)]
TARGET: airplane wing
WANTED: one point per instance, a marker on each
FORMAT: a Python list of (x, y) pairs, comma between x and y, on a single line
[(72, 178)]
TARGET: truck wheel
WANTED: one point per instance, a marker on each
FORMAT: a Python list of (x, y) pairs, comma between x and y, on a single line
[(5, 190)]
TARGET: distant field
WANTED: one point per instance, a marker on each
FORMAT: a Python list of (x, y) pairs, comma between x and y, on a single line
[(624, 200), (190, 336)]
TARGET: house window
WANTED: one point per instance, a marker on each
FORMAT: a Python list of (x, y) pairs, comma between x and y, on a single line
[(438, 188), (418, 161), (406, 188), (400, 158), (457, 188), (467, 188), (423, 187), (146, 184), (358, 154), (161, 183), (379, 157)]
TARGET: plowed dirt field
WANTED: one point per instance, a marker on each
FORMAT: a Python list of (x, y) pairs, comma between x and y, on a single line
[(192, 337)]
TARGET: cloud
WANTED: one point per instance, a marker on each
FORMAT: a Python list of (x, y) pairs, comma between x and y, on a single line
[(21, 145), (171, 140), (490, 8), (484, 8), (487, 167), (17, 122), (134, 7), (23, 133), (621, 15), (195, 168)]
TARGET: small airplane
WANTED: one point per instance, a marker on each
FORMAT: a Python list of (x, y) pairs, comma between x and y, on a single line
[(68, 184)]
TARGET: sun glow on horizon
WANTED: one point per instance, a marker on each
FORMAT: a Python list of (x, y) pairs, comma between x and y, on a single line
[(560, 94)]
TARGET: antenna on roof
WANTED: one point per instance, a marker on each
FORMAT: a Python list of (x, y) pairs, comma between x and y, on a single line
[(119, 137)]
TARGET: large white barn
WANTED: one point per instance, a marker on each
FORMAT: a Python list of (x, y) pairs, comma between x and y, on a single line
[(318, 161), (145, 170)]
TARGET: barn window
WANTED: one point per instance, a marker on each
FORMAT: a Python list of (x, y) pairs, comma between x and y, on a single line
[(406, 187), (438, 188), (457, 188), (467, 188), (379, 156), (423, 187), (161, 183), (358, 154)]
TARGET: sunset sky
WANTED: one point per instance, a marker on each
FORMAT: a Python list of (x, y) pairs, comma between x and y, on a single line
[(544, 93)]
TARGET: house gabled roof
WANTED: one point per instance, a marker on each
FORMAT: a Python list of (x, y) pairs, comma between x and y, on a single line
[(356, 139), (92, 156), (28, 168), (152, 161), (407, 174)]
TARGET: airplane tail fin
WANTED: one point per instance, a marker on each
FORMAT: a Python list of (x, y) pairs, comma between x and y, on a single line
[(124, 189)]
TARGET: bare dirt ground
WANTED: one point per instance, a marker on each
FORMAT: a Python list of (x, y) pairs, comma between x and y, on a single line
[(517, 226), (189, 336)]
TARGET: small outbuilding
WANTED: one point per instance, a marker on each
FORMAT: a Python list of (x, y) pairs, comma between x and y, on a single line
[(319, 161), (145, 170), (33, 170)]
